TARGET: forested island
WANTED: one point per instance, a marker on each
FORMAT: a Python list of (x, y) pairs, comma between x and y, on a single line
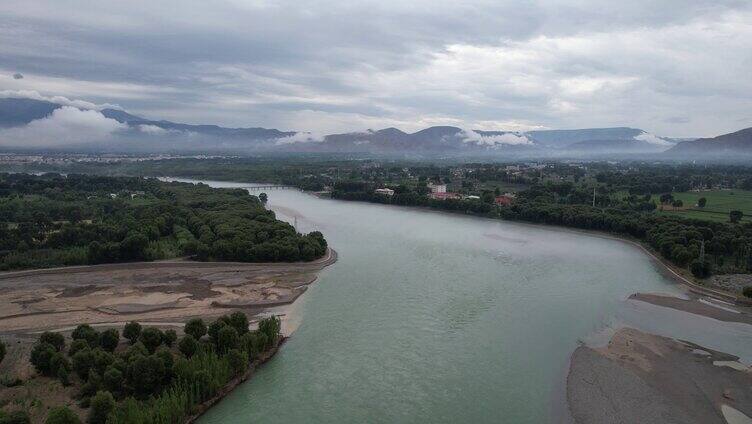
[(54, 220)]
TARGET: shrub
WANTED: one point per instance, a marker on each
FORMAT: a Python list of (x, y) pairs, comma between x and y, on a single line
[(60, 367), (62, 415), (169, 337), (56, 340), (3, 350), (15, 417), (195, 328), (270, 327), (86, 332), (102, 404), (132, 331), (151, 338), (109, 339), (188, 345)]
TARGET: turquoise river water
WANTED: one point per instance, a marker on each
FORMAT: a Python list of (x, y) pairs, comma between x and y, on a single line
[(432, 317)]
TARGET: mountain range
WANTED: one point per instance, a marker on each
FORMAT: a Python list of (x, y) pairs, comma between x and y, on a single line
[(138, 134)]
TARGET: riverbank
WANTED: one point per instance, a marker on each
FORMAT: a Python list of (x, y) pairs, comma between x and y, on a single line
[(644, 378), (167, 292)]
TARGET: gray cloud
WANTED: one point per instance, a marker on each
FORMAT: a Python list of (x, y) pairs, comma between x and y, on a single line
[(17, 76), (65, 126), (327, 66)]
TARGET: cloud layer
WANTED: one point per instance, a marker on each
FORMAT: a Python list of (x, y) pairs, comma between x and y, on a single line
[(675, 67), (64, 127)]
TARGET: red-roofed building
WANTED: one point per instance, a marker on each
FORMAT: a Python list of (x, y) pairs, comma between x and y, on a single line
[(444, 196), (505, 200)]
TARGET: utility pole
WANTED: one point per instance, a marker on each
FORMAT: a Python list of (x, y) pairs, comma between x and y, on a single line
[(593, 196), (295, 223)]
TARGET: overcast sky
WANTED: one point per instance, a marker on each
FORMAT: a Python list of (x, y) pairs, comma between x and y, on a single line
[(674, 68)]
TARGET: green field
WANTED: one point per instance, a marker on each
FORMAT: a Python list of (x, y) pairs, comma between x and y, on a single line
[(719, 204)]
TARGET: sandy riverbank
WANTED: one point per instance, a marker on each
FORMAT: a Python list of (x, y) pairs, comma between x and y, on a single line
[(644, 378), (167, 291)]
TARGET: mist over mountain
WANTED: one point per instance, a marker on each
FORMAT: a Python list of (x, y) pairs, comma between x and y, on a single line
[(46, 125)]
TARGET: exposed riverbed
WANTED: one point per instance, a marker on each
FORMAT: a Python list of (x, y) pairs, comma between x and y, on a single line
[(431, 317)]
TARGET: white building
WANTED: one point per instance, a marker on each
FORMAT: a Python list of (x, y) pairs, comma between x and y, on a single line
[(437, 188), (385, 191)]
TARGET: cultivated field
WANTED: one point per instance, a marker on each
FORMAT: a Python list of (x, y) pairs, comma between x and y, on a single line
[(719, 204)]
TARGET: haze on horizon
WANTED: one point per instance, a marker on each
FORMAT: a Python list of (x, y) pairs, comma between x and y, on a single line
[(678, 68)]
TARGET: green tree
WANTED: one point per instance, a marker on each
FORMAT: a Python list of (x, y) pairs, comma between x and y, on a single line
[(145, 375), (188, 345), (102, 404), (238, 360), (701, 269), (109, 339), (56, 340), (195, 328), (263, 197), (170, 336), (151, 337), (215, 326), (113, 379), (83, 360), (41, 355), (3, 350), (701, 202), (747, 291), (227, 339), (77, 345), (132, 331), (239, 322), (102, 360), (86, 332), (62, 415)]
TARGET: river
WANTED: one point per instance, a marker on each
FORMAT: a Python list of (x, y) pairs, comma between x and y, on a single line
[(432, 317)]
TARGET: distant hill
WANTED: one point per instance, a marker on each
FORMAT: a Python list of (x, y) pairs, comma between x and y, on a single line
[(148, 135), (564, 138), (18, 112), (729, 145), (433, 140), (21, 111)]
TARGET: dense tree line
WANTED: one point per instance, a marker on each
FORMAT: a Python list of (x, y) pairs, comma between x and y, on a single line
[(54, 220), (700, 246), (156, 379)]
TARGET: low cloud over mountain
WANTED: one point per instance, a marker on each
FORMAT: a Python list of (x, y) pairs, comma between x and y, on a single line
[(35, 121)]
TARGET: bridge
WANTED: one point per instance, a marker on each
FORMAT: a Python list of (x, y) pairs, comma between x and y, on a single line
[(269, 187)]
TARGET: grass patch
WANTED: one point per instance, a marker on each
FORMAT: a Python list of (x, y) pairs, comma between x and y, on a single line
[(719, 204)]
